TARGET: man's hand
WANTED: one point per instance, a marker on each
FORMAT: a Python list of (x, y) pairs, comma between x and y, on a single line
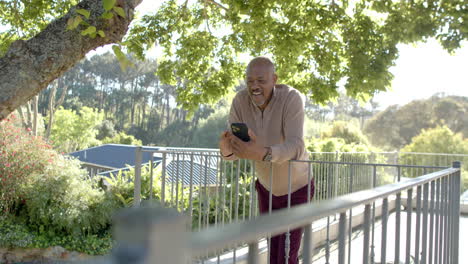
[(247, 150), (225, 143)]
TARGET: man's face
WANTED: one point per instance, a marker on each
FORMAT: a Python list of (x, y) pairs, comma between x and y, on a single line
[(260, 82)]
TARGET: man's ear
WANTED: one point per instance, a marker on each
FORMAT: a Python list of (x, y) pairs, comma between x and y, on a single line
[(275, 78)]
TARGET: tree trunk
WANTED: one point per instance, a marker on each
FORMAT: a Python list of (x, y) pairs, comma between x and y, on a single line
[(51, 109), (30, 65), (133, 102), (35, 106), (23, 120), (30, 118), (168, 110), (62, 97)]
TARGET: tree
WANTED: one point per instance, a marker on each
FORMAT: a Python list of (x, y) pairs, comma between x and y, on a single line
[(438, 140), (73, 131), (347, 131), (28, 66), (397, 125), (315, 44), (208, 131)]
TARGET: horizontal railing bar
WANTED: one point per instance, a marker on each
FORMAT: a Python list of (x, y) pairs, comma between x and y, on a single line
[(434, 154), (172, 150), (320, 162), (395, 152), (217, 238), (372, 164)]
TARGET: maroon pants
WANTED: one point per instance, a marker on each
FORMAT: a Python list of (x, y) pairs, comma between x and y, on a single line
[(277, 247)]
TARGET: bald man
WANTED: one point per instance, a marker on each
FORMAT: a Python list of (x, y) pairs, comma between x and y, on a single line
[(274, 114)]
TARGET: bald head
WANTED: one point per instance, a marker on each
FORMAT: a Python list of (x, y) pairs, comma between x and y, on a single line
[(260, 79), (262, 62)]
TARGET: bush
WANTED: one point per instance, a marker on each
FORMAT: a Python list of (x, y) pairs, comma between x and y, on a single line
[(18, 235), (46, 198), (347, 131), (21, 155), (72, 131), (63, 201), (437, 140), (122, 138), (105, 129)]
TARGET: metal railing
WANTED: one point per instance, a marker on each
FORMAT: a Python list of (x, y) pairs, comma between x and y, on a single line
[(189, 174), (429, 235), (213, 192), (396, 157)]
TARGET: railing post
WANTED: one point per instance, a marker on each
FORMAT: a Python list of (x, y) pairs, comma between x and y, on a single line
[(367, 216), (137, 180), (154, 235), (163, 179), (456, 202)]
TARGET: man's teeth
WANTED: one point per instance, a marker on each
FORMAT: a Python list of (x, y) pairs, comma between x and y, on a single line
[(256, 93)]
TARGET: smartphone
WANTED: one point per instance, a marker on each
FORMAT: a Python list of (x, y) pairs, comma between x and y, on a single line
[(241, 131)]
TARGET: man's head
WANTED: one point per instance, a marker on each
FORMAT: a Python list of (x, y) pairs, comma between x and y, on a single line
[(261, 79)]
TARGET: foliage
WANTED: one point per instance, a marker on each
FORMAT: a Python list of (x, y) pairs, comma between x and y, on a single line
[(347, 131), (120, 186), (14, 234), (340, 136), (396, 126), (46, 199), (21, 155), (315, 44), (207, 133), (438, 140), (72, 131), (62, 200), (211, 209), (106, 130), (22, 21), (122, 138)]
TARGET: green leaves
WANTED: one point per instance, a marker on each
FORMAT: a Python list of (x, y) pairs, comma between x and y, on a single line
[(124, 61), (107, 15), (119, 11), (89, 31), (101, 33), (108, 4), (74, 22), (84, 12)]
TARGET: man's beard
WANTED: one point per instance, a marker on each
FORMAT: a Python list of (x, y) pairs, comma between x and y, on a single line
[(258, 104)]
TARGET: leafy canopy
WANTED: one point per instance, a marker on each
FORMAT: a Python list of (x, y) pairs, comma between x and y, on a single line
[(315, 44), (72, 131)]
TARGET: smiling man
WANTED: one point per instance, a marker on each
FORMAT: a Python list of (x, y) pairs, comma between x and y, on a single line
[(274, 114)]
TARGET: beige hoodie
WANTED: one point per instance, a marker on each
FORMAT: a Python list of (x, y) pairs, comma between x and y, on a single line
[(280, 126)]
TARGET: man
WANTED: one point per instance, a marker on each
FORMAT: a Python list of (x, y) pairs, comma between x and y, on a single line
[(274, 114)]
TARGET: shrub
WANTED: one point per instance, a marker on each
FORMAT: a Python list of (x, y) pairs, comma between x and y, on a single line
[(21, 155), (17, 235), (72, 131), (63, 201), (122, 138), (347, 131), (437, 140)]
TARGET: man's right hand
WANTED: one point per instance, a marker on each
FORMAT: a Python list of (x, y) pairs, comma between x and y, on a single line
[(225, 144)]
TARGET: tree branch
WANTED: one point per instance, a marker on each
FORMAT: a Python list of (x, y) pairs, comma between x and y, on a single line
[(30, 65), (218, 4)]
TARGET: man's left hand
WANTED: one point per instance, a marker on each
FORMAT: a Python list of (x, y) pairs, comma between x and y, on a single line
[(247, 150)]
